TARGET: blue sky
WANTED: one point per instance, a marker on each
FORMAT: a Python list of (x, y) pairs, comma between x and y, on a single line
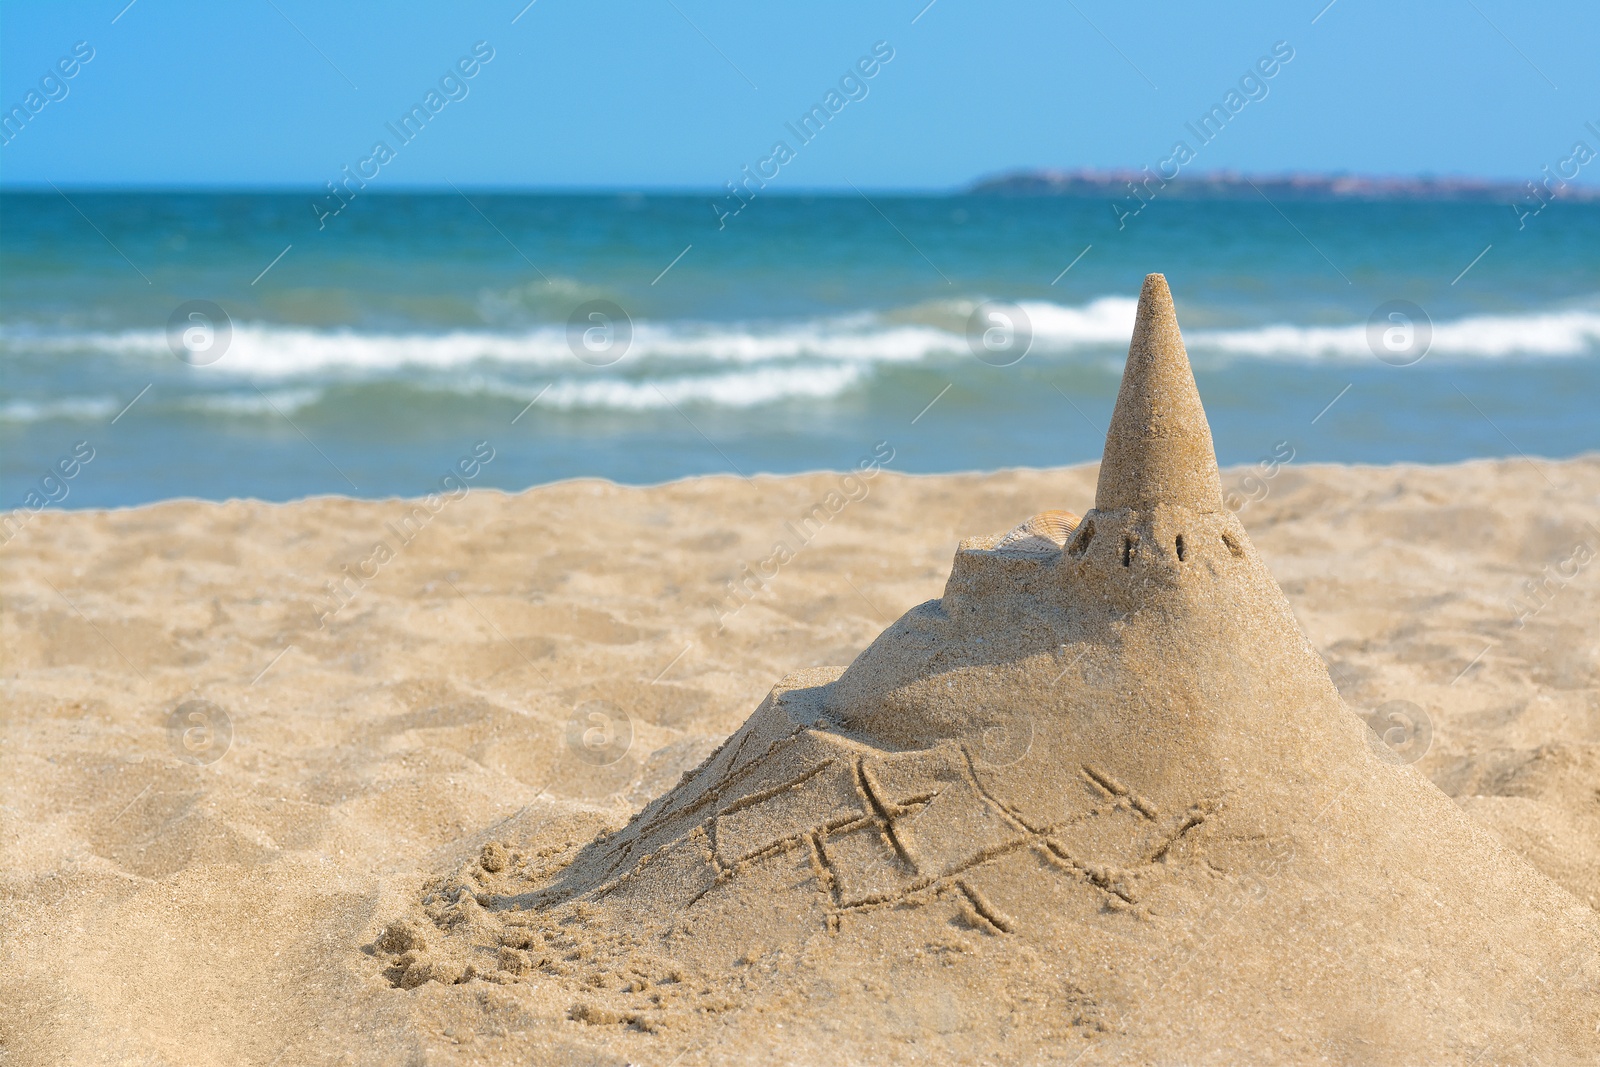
[(683, 93)]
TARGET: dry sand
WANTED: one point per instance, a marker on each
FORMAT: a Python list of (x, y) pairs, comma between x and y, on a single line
[(159, 911)]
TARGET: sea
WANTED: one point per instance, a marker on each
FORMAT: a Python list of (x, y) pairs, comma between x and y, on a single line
[(228, 344)]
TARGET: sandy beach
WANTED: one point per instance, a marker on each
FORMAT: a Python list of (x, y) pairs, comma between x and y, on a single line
[(858, 561), (221, 782)]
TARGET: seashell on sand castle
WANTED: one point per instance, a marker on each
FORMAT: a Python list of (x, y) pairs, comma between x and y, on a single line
[(1100, 799), (1045, 532)]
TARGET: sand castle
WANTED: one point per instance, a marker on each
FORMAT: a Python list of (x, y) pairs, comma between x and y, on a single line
[(1100, 799)]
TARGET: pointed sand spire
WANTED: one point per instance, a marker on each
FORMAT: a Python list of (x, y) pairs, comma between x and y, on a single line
[(1158, 449)]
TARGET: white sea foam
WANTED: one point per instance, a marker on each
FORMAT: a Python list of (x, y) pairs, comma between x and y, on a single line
[(261, 351), (76, 408), (1106, 321), (1564, 333), (726, 364), (737, 389)]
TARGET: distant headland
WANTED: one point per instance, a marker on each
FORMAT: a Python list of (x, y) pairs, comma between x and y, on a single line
[(1229, 185)]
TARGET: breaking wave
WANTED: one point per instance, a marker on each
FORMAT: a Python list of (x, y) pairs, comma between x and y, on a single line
[(733, 365)]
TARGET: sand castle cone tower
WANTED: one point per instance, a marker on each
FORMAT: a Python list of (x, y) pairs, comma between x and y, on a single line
[(1101, 795)]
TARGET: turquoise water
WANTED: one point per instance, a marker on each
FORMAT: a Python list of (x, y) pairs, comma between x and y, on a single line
[(379, 349)]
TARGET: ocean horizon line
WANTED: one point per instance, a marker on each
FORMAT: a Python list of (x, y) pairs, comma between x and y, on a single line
[(1069, 183)]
